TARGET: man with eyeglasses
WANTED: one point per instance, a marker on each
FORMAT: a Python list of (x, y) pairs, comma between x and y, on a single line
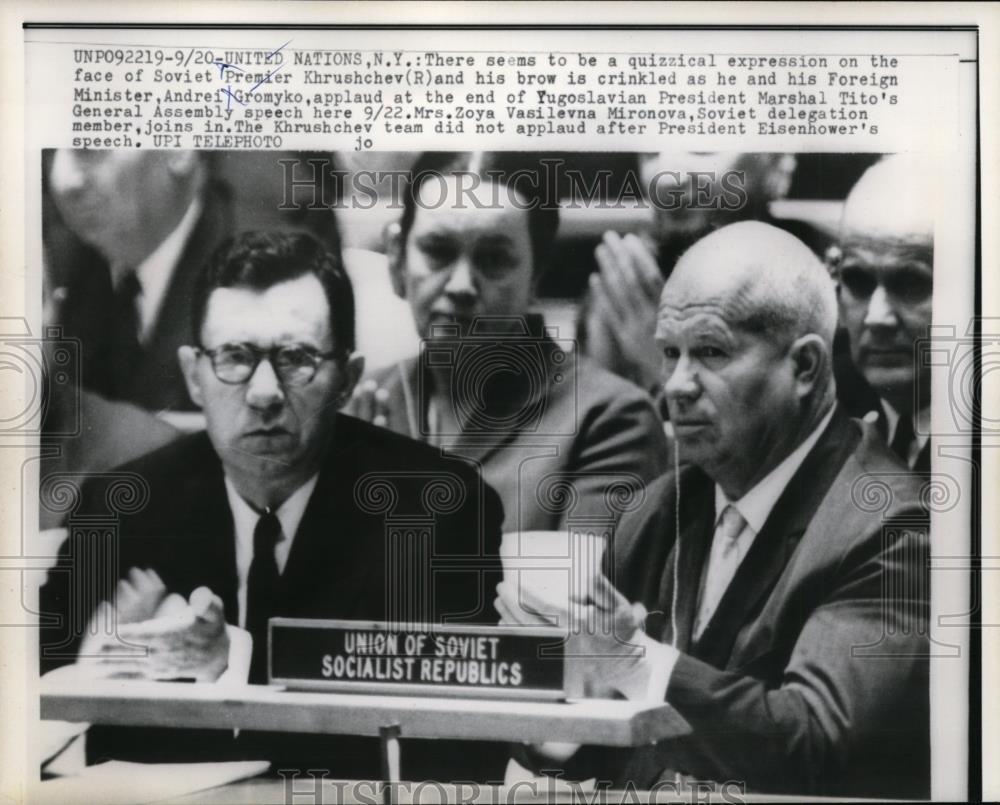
[(277, 510), (884, 273)]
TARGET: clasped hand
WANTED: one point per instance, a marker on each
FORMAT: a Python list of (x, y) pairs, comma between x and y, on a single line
[(605, 644)]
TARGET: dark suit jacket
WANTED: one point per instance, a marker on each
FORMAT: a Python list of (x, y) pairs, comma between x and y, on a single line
[(922, 466), (110, 433), (591, 444), (157, 383), (337, 568), (811, 676)]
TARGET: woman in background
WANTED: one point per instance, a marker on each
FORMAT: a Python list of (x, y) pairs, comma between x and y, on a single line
[(564, 442)]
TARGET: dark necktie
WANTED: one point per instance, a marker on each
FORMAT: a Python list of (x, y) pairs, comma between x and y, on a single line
[(125, 348), (262, 591), (903, 438)]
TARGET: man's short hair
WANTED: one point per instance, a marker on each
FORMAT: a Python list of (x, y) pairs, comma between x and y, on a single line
[(260, 260)]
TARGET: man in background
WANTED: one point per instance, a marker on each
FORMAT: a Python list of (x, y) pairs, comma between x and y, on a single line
[(150, 220), (885, 283), (83, 432)]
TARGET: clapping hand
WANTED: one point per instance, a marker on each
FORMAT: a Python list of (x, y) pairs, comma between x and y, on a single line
[(139, 596), (159, 635), (625, 298)]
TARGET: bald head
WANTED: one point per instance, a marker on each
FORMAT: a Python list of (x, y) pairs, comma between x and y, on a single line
[(763, 280), (894, 199)]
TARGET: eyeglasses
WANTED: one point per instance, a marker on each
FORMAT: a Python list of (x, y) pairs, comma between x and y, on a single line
[(907, 285), (294, 364)]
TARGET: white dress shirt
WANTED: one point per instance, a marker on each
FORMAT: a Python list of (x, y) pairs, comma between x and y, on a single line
[(921, 430), (245, 519), (651, 676), (155, 271)]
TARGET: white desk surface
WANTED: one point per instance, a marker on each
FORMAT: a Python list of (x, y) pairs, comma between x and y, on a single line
[(178, 704)]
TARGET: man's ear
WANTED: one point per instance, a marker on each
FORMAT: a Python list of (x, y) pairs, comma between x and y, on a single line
[(395, 251), (187, 357), (811, 362), (354, 367)]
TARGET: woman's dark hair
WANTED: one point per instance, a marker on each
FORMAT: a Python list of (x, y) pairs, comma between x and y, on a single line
[(522, 172), (259, 260)]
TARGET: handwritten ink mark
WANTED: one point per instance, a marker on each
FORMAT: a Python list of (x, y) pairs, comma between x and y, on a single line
[(276, 52), (223, 66)]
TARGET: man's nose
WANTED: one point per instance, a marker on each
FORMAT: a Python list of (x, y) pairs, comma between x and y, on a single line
[(460, 281), (682, 382), (881, 312), (66, 174), (264, 389)]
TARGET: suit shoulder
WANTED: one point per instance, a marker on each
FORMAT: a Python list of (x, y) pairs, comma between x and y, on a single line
[(873, 462), (599, 383), (389, 449), (191, 450), (654, 509), (150, 486), (658, 489)]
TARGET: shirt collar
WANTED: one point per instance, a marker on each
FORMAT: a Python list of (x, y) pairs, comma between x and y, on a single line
[(154, 273), (289, 513), (755, 506)]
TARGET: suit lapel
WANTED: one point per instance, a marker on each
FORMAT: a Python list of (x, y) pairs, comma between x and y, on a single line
[(407, 389), (777, 540), (210, 518), (697, 510), (507, 400), (333, 554)]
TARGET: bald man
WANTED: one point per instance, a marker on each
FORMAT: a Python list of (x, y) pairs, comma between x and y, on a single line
[(884, 287), (748, 591)]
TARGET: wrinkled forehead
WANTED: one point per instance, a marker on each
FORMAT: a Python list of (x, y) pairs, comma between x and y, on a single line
[(888, 252), (700, 305), (691, 322)]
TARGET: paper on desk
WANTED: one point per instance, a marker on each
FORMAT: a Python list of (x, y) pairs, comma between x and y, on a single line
[(119, 783)]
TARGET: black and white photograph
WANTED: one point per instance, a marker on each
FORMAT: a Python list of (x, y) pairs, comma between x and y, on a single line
[(501, 415)]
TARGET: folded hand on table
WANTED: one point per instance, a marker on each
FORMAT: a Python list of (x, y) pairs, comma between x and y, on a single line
[(605, 645), (606, 649), (159, 635)]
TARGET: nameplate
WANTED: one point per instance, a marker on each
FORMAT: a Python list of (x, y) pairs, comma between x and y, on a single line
[(409, 659)]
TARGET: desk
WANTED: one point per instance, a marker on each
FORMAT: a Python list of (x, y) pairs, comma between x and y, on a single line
[(178, 704), (260, 707)]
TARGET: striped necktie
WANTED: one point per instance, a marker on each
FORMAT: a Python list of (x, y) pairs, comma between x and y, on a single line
[(723, 561)]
